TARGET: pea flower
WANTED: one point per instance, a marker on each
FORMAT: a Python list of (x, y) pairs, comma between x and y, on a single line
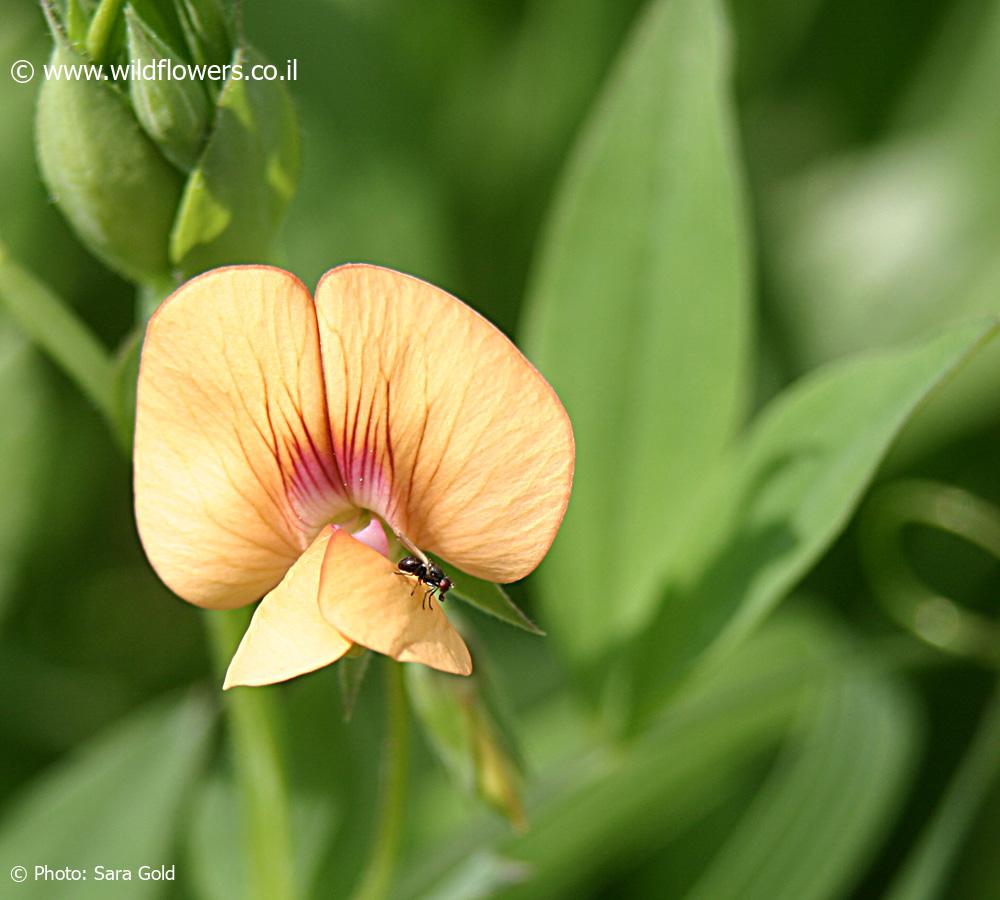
[(284, 446)]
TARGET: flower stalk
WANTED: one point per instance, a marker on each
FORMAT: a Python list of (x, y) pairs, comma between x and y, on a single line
[(260, 772), (377, 877)]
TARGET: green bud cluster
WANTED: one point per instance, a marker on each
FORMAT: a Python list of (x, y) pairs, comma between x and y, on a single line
[(163, 178)]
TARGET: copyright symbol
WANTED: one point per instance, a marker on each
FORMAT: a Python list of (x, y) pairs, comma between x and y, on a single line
[(19, 874), (22, 72)]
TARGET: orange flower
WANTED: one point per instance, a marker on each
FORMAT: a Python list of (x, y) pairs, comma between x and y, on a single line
[(276, 434)]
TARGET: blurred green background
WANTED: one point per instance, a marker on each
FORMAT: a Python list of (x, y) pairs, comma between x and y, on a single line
[(818, 182)]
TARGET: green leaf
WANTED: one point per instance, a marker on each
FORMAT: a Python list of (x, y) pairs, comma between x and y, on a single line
[(493, 600), (101, 168), (236, 197), (924, 874), (175, 113), (56, 330), (817, 819), (638, 315), (787, 493), (115, 803)]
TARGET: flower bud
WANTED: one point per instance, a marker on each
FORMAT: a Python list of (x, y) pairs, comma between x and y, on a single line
[(236, 197), (117, 191), (163, 177), (498, 778), (175, 113), (207, 31)]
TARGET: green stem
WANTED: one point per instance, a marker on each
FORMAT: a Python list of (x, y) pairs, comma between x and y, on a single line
[(101, 27), (259, 771), (149, 296), (53, 326), (376, 880)]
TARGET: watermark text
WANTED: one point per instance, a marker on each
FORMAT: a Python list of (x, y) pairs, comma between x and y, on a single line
[(22, 71)]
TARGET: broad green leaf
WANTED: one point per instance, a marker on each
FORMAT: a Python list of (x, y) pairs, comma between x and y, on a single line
[(817, 819), (237, 195), (54, 327), (786, 494), (638, 315), (925, 872), (115, 803)]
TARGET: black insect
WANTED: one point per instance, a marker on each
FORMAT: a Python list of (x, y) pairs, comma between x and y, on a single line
[(426, 573)]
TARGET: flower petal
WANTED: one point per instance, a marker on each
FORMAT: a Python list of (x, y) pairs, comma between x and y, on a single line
[(362, 598), (440, 424), (234, 474), (374, 536), (287, 635)]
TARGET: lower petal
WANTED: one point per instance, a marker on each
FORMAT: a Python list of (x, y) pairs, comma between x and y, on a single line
[(287, 635), (363, 597)]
